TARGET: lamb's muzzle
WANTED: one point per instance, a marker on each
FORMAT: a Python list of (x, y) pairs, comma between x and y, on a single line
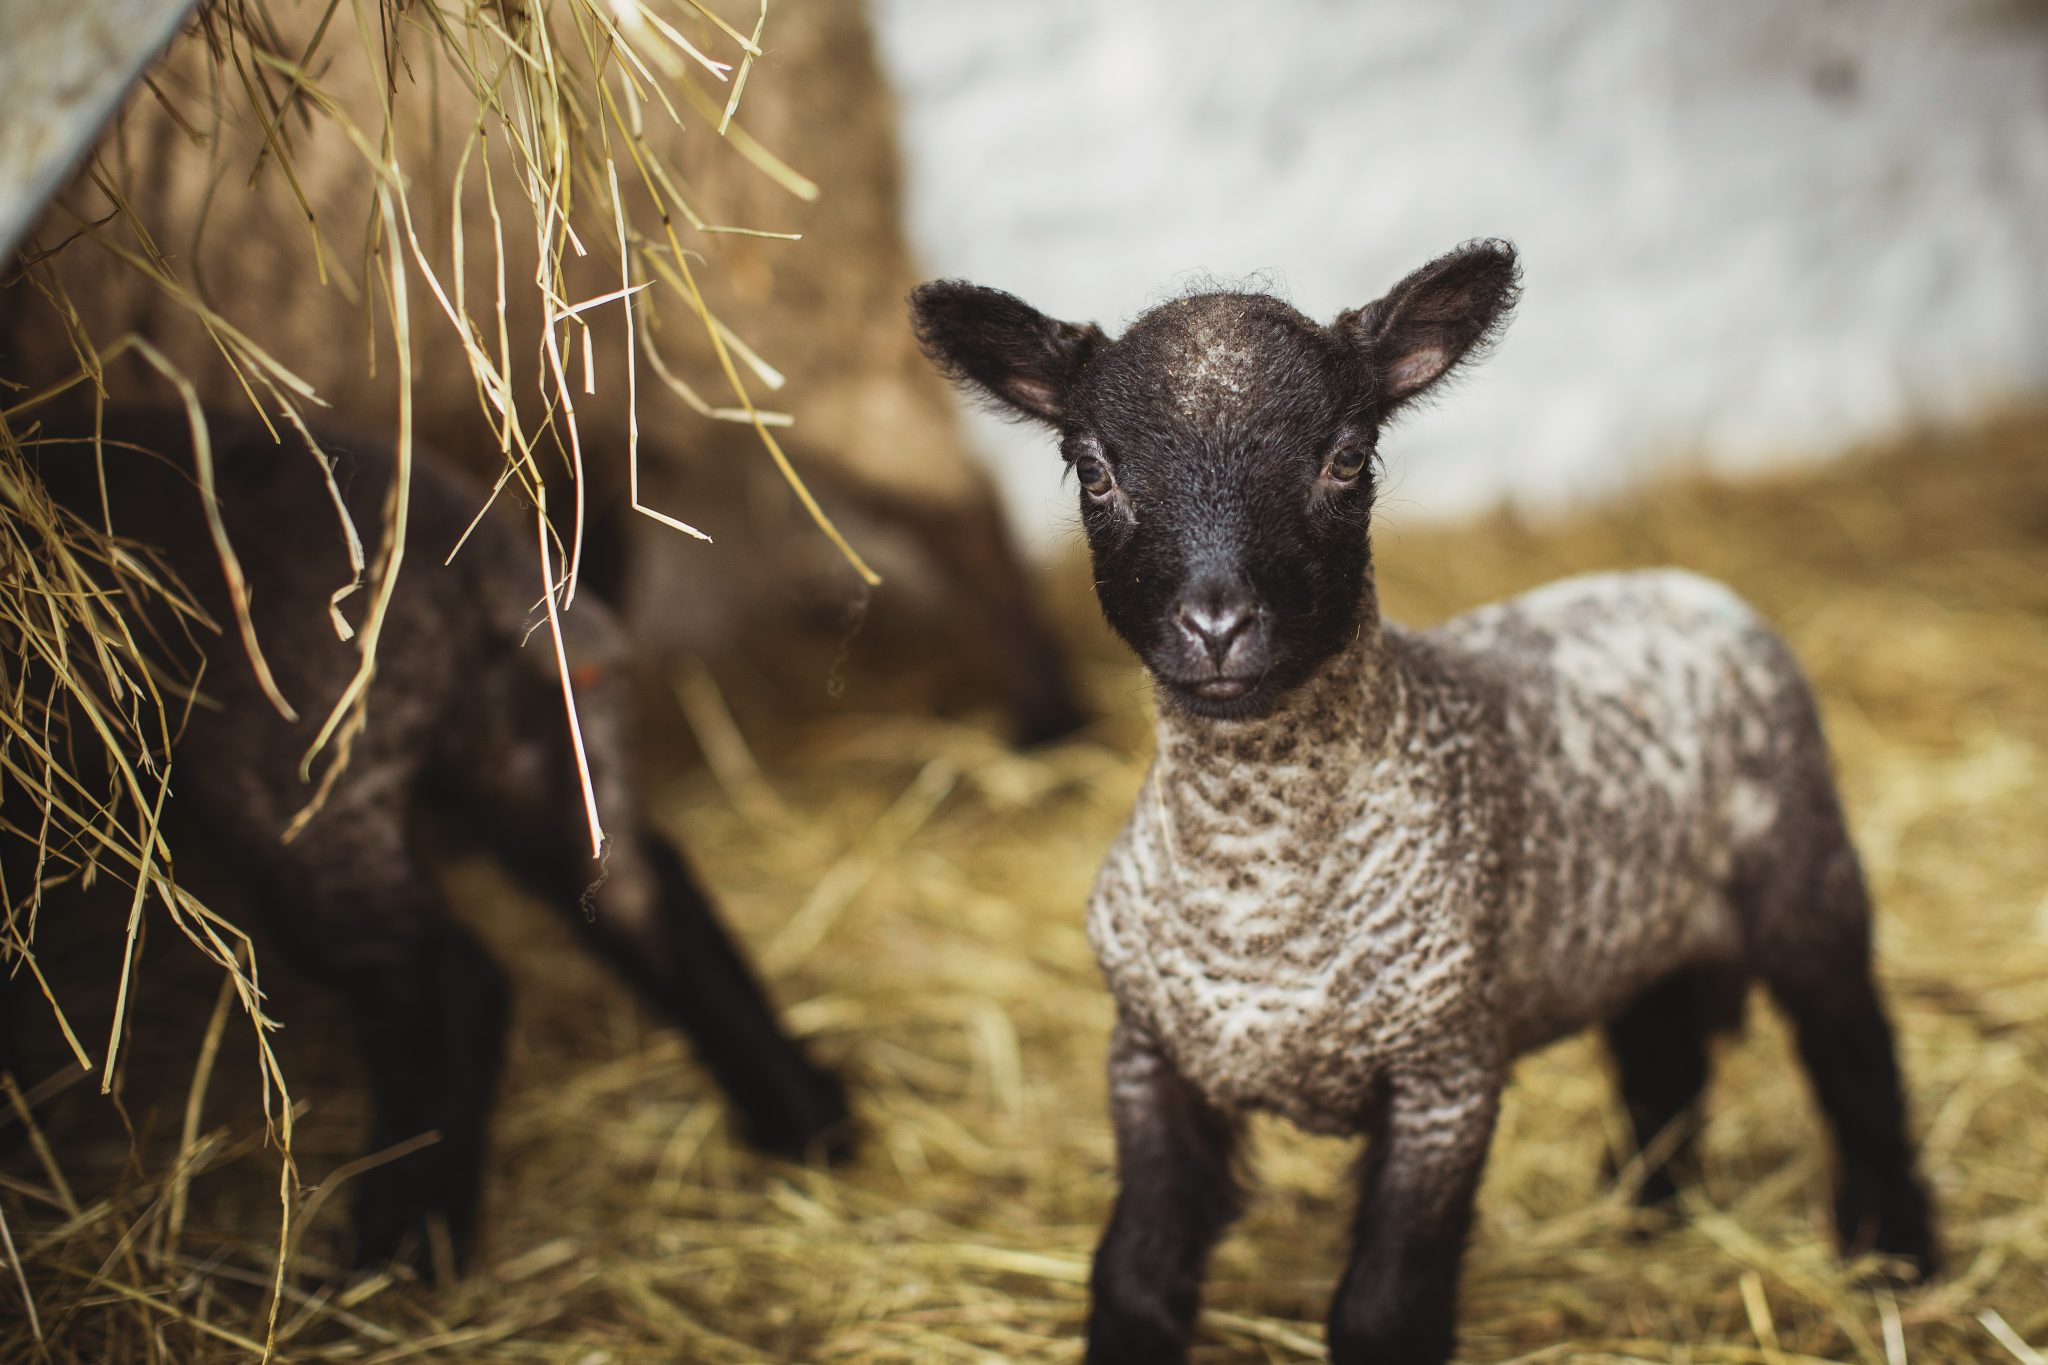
[(1370, 867)]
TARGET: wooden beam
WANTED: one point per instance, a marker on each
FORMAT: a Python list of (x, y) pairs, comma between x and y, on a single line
[(65, 66)]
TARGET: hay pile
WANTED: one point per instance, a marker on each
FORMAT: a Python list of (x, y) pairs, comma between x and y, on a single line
[(560, 132), (915, 890)]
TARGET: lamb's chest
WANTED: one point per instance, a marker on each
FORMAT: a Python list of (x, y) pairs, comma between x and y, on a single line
[(1284, 952), (1296, 1026), (1284, 1050)]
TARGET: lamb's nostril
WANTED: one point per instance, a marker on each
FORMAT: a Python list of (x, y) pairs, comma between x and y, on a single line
[(1215, 624)]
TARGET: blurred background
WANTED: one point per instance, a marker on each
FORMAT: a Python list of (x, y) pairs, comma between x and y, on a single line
[(1753, 233), (1785, 324)]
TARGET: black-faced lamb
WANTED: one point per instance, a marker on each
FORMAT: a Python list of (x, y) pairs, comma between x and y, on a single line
[(1371, 866), (465, 724)]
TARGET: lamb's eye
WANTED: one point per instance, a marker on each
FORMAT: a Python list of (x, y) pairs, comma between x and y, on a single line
[(1348, 463), (1094, 476)]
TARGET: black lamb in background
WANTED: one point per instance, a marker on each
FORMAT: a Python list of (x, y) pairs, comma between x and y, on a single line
[(466, 716)]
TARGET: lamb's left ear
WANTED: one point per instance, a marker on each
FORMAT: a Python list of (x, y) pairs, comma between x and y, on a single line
[(1443, 313), (1001, 345)]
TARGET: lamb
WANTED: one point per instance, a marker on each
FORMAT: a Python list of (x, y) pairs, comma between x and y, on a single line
[(463, 724), (1371, 866)]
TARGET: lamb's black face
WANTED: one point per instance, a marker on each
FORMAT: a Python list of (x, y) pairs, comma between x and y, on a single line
[(1224, 451), (1223, 447)]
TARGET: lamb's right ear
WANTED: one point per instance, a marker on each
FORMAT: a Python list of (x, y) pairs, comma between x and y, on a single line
[(1001, 345)]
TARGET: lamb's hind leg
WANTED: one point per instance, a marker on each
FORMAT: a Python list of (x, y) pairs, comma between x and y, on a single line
[(644, 912), (1660, 1045), (430, 1009), (656, 926), (1817, 962)]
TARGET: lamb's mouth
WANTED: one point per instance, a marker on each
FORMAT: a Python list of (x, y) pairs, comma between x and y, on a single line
[(1224, 697)]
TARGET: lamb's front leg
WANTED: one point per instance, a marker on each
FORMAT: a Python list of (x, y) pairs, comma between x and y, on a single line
[(1398, 1301), (1177, 1192)]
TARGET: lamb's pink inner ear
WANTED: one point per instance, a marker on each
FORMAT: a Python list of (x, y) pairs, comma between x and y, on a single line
[(1035, 394), (1415, 369)]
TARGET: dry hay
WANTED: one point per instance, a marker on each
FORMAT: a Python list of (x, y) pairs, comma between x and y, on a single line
[(569, 99), (915, 890)]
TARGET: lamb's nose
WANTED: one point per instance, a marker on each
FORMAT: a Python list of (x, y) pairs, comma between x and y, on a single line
[(1215, 618)]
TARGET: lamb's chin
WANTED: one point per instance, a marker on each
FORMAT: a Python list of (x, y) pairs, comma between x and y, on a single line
[(1220, 698)]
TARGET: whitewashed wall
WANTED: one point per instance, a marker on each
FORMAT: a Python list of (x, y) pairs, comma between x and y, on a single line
[(1753, 230)]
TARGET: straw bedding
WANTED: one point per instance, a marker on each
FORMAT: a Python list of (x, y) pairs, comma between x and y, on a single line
[(914, 889)]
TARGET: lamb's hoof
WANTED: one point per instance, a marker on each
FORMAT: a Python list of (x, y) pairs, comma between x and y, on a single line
[(1418, 1342), (814, 1125), (394, 1233), (1648, 1222), (1892, 1222), (1658, 1189), (1116, 1338), (1659, 1192)]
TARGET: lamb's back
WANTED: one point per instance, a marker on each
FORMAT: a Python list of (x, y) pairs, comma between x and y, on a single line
[(452, 662), (1658, 721)]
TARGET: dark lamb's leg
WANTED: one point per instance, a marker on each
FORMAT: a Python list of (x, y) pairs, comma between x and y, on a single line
[(1660, 1045), (430, 1009), (659, 930), (1177, 1193), (1824, 983), (431, 1022), (1845, 1041), (1398, 1301), (643, 911)]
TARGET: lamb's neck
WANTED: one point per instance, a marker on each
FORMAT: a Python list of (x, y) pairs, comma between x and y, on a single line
[(1288, 766)]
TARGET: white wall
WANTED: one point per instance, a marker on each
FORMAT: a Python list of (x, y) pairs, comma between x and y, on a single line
[(1753, 231)]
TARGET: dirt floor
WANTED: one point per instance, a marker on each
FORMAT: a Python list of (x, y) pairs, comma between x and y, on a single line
[(914, 889)]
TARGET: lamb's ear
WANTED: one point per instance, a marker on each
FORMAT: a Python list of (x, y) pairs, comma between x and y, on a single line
[(1001, 345), (1449, 310)]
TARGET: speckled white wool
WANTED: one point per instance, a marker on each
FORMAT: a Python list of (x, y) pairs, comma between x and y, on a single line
[(1449, 847)]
